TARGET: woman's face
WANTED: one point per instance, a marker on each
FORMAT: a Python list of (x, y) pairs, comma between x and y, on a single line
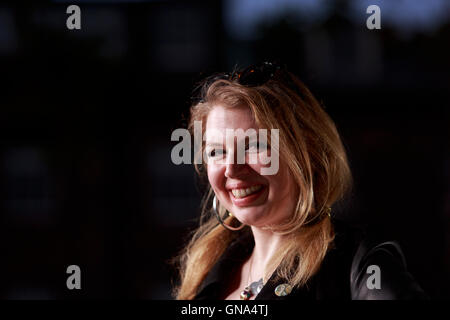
[(254, 199)]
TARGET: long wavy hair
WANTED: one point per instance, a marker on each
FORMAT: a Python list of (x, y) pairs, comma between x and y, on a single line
[(310, 146)]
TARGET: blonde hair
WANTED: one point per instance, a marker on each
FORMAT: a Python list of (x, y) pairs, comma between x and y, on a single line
[(310, 146)]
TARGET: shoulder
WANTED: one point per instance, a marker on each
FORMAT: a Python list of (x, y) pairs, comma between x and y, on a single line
[(379, 272), (364, 265)]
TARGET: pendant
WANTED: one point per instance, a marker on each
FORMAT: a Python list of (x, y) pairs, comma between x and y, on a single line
[(255, 287), (246, 294), (251, 290)]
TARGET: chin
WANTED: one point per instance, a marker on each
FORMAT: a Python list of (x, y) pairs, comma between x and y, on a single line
[(250, 217)]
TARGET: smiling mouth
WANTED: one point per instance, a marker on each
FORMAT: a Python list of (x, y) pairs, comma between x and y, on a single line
[(245, 192)]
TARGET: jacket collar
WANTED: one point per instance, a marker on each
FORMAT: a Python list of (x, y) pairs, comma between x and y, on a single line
[(335, 267), (229, 263)]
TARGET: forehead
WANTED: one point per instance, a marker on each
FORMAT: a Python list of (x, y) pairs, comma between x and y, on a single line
[(221, 118)]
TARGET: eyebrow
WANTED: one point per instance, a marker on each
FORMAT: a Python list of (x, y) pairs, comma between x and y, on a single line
[(214, 144)]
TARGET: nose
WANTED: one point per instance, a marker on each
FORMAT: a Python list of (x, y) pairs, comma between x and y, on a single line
[(235, 170), (234, 167)]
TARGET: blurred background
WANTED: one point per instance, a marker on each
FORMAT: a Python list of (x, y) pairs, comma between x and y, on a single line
[(86, 118)]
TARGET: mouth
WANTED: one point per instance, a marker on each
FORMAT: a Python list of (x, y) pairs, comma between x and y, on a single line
[(248, 196), (245, 192)]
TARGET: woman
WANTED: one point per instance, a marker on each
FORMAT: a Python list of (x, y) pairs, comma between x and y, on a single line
[(273, 236)]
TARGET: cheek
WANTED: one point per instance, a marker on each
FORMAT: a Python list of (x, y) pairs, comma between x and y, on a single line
[(260, 161), (256, 167), (215, 176), (283, 183), (291, 188), (254, 162)]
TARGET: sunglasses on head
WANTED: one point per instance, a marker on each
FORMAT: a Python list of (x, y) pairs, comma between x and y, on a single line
[(256, 75)]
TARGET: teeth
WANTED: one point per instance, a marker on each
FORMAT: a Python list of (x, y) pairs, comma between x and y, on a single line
[(241, 193)]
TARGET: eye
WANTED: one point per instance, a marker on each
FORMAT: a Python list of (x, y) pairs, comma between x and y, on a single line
[(215, 152), (256, 147)]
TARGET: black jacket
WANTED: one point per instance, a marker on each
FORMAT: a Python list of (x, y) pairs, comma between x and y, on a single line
[(343, 275)]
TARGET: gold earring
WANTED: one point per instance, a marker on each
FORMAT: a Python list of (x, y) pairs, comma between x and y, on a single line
[(328, 211)]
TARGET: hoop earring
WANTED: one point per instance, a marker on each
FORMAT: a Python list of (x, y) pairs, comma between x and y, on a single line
[(216, 213)]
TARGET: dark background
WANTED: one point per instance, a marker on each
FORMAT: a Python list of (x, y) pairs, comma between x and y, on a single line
[(86, 118)]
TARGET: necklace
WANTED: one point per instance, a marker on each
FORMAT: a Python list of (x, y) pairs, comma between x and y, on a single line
[(253, 288)]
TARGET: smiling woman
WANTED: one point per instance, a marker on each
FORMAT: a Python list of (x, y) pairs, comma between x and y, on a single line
[(271, 236)]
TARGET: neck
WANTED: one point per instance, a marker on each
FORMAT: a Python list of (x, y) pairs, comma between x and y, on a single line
[(266, 244)]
